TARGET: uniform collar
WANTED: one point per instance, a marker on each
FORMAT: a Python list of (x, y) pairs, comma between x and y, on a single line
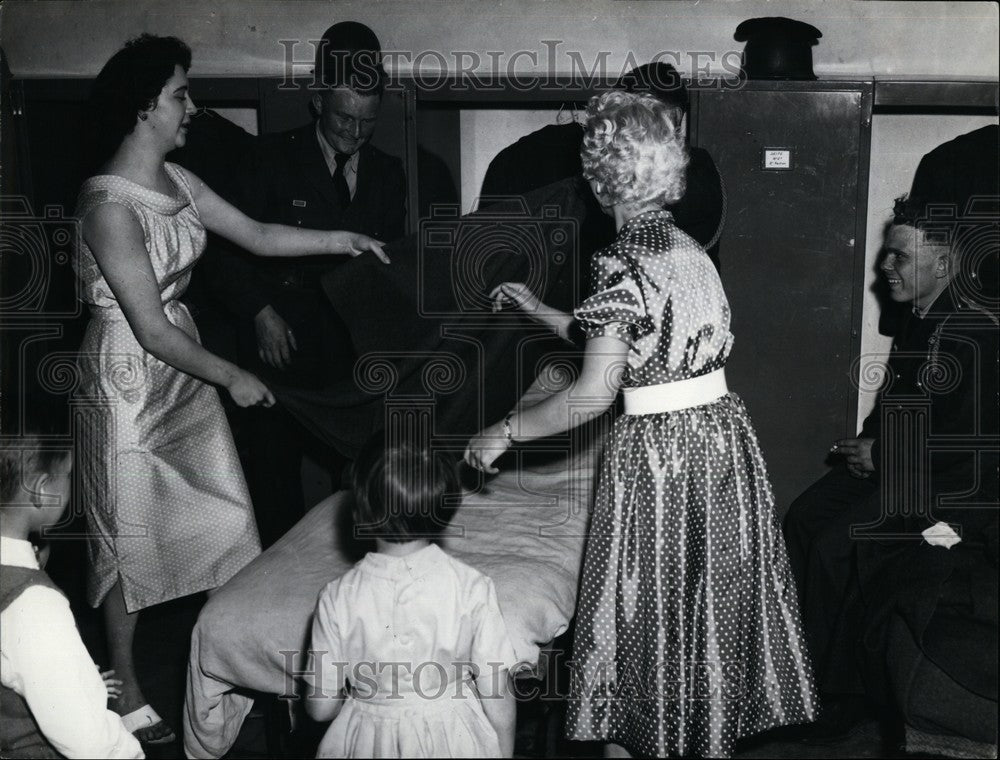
[(945, 304), (330, 155)]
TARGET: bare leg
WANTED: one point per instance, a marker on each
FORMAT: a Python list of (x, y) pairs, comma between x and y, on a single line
[(120, 628), (615, 750)]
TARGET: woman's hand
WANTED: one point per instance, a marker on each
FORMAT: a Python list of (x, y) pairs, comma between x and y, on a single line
[(247, 390), (516, 293), (485, 448), (354, 244)]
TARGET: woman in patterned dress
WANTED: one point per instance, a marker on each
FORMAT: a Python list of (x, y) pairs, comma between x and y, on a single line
[(166, 499), (687, 633)]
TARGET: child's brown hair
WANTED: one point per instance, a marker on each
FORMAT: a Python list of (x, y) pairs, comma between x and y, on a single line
[(402, 489)]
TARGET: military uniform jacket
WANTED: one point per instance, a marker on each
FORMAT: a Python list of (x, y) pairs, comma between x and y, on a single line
[(939, 401), (288, 182)]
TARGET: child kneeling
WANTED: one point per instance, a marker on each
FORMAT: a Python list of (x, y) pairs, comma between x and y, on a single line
[(412, 656)]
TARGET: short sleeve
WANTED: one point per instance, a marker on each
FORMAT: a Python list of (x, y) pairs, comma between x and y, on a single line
[(491, 646), (616, 308), (327, 645)]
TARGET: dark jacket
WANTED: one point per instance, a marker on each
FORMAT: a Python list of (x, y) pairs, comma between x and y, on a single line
[(946, 364), (289, 183), (284, 179), (429, 343), (552, 153), (961, 174), (938, 461)]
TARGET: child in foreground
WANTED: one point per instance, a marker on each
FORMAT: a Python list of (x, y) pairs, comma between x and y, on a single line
[(412, 654), (53, 699)]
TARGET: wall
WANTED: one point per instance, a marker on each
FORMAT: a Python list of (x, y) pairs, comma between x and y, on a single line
[(487, 131), (240, 37)]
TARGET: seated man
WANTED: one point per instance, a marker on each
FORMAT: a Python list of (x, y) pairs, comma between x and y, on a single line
[(855, 536)]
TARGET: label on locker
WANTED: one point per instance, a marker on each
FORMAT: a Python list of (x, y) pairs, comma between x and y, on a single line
[(777, 158)]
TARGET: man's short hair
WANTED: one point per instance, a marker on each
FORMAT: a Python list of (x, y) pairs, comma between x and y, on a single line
[(659, 79), (350, 55)]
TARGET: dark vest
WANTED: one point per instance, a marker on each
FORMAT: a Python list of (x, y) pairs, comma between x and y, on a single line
[(19, 732)]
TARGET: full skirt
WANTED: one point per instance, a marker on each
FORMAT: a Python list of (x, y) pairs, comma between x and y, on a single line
[(688, 634)]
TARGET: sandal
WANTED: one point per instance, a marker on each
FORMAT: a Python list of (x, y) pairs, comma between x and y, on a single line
[(140, 722)]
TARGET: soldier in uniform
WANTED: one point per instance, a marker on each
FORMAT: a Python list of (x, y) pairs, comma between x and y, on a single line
[(325, 175), (922, 459)]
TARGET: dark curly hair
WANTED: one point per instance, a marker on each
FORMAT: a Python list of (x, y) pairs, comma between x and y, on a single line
[(402, 489), (130, 82)]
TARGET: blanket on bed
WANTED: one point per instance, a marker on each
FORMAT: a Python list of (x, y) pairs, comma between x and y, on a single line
[(525, 529)]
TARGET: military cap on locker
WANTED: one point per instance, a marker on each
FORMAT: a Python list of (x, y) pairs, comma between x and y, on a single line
[(350, 55), (777, 48)]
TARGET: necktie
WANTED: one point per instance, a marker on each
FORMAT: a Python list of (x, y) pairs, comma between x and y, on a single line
[(340, 181)]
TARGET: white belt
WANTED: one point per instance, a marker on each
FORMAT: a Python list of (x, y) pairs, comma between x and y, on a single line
[(671, 397)]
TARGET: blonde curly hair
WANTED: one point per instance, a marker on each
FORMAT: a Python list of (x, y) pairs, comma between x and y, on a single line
[(634, 149)]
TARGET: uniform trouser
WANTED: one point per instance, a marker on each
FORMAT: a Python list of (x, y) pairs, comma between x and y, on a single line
[(822, 553)]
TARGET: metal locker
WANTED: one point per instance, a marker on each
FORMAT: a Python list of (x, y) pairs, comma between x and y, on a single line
[(794, 160)]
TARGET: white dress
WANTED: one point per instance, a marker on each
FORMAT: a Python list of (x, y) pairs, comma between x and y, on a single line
[(168, 507), (405, 634)]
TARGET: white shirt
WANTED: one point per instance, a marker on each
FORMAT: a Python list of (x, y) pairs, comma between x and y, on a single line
[(330, 156), (43, 659)]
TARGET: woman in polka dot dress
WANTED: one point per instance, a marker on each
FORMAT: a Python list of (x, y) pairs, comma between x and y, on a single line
[(687, 634), (165, 496)]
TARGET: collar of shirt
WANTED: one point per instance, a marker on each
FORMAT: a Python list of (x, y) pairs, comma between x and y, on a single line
[(18, 553), (926, 309), (410, 566), (330, 156)]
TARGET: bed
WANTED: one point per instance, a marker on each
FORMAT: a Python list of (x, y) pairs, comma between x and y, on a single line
[(525, 528)]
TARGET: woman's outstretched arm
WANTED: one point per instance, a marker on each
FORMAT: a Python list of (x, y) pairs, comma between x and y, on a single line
[(524, 299), (221, 217), (116, 239), (586, 398)]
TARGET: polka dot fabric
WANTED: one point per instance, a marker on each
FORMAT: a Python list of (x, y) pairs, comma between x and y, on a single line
[(657, 290), (166, 500), (688, 634)]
